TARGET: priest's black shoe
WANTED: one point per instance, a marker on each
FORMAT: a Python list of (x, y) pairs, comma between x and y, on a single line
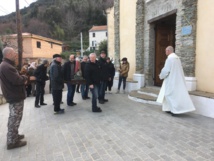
[(37, 106), (43, 104)]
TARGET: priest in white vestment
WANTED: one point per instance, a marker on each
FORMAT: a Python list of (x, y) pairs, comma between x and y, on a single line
[(173, 94)]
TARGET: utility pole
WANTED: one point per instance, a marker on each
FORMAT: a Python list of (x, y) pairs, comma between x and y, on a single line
[(81, 45), (19, 35)]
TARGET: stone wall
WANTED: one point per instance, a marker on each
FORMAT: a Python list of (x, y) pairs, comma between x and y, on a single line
[(117, 31), (186, 46), (139, 36)]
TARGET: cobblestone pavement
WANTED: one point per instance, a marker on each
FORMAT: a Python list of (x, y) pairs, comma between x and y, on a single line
[(125, 130)]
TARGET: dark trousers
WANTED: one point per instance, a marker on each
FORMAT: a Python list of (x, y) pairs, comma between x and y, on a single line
[(84, 90), (94, 92), (40, 90), (101, 92), (78, 88), (57, 97), (109, 84), (121, 78), (28, 89), (71, 92)]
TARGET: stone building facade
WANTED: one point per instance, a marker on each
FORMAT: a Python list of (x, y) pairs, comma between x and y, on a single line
[(160, 23)]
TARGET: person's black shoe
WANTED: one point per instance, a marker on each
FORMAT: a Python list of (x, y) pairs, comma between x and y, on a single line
[(87, 97), (101, 102), (105, 100), (72, 104), (16, 145), (20, 137), (84, 98), (172, 114), (97, 110), (37, 106), (61, 111), (43, 104)]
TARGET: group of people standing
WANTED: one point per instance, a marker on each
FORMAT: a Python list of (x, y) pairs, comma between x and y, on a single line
[(99, 75)]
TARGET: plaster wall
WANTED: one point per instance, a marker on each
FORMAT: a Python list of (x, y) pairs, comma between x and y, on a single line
[(204, 46), (99, 36), (46, 51), (127, 32), (110, 23)]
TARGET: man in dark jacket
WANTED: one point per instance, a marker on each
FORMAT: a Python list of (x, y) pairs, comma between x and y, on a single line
[(92, 75), (41, 76), (13, 89), (57, 82), (104, 77), (69, 70), (84, 87)]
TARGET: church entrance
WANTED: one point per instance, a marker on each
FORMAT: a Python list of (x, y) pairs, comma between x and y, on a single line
[(164, 36)]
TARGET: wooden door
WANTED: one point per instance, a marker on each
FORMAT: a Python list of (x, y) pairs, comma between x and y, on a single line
[(165, 36)]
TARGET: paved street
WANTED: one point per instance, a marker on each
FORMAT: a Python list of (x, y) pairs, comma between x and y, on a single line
[(125, 130)]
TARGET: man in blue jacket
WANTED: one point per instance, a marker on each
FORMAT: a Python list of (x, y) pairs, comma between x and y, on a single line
[(57, 82)]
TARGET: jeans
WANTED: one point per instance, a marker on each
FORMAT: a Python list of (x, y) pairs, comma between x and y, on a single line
[(84, 90), (121, 78), (71, 92), (94, 92), (101, 91), (57, 97)]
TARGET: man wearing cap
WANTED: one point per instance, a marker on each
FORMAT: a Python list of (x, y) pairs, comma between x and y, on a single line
[(70, 68), (57, 82), (124, 69), (13, 89)]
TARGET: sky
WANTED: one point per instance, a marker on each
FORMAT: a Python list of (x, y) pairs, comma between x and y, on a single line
[(9, 6)]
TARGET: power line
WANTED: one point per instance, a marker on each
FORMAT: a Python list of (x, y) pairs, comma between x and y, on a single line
[(26, 2), (4, 10)]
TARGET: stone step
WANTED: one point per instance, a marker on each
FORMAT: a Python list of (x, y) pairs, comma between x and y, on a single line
[(150, 90), (143, 98)]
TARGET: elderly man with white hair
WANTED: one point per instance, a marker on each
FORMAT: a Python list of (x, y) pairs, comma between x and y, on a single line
[(13, 89), (92, 75)]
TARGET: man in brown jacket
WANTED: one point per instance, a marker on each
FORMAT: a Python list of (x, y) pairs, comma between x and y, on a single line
[(13, 89)]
